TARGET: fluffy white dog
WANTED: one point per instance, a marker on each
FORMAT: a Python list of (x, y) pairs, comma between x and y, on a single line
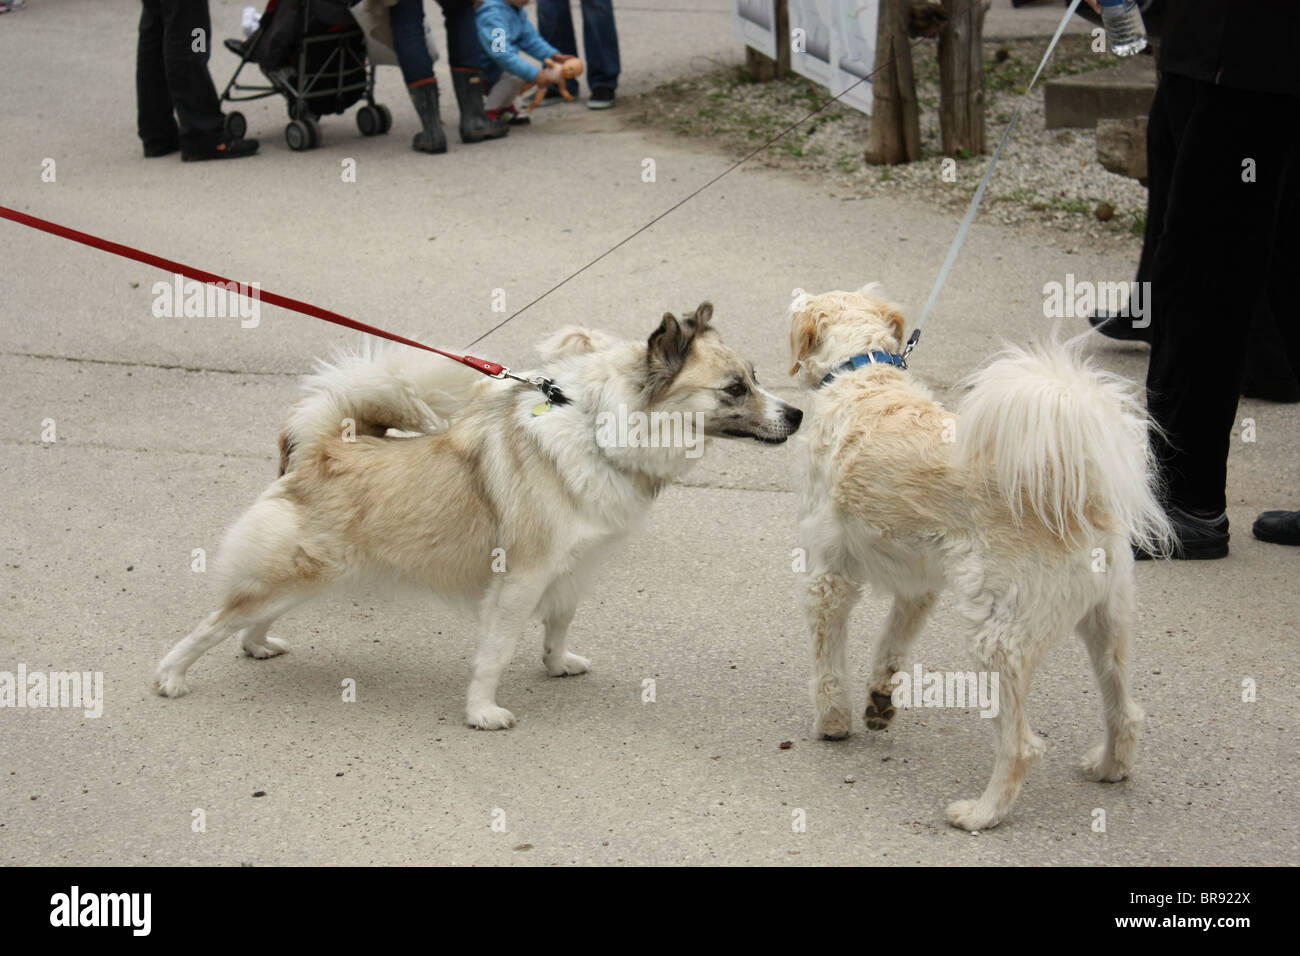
[(502, 502), (1024, 502)]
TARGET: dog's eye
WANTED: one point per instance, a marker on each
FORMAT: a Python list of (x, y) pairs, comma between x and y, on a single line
[(736, 390)]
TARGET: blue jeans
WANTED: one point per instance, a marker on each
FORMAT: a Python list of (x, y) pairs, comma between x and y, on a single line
[(408, 41), (599, 37), (463, 50)]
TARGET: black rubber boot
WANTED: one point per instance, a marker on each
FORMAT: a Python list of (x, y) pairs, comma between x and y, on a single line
[(431, 139), (474, 123)]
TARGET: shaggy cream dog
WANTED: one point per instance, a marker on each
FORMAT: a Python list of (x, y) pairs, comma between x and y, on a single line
[(1024, 502)]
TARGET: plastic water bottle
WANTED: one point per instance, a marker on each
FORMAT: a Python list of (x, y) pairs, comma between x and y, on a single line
[(1124, 26)]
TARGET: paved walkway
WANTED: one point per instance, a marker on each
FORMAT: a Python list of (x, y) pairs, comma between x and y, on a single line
[(166, 430)]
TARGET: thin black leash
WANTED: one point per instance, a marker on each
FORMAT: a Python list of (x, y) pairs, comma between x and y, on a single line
[(730, 169)]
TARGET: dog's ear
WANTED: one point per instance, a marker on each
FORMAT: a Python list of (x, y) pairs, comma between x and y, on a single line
[(572, 340), (803, 335), (699, 321), (895, 318), (666, 350)]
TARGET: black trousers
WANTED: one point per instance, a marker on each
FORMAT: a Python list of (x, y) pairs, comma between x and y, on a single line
[(171, 78), (1223, 168)]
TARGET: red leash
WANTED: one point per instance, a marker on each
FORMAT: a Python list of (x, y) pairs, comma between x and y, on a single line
[(492, 369)]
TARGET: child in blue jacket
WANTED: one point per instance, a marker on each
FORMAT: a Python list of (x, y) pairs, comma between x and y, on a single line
[(505, 32)]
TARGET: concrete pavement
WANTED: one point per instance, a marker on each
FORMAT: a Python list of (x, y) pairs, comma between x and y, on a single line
[(166, 430)]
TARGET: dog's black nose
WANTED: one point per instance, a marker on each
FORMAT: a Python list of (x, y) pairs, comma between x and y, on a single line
[(794, 416)]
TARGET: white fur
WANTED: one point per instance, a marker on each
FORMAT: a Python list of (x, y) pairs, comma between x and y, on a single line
[(1028, 517), (483, 476)]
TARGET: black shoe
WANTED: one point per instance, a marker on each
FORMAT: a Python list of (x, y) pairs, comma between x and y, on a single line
[(1120, 327), (162, 149), (602, 98), (1278, 527), (1196, 537), (227, 149)]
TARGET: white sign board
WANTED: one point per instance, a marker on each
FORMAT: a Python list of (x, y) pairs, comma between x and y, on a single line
[(755, 23), (832, 42)]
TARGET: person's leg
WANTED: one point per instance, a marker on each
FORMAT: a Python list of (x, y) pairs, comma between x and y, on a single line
[(467, 60), (1162, 149), (464, 52), (407, 17), (504, 92), (155, 121), (600, 44), (195, 98), (1283, 527), (417, 70), (1209, 269), (555, 24), (1270, 374)]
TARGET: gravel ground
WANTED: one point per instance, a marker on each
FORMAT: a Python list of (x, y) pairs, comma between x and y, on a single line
[(1045, 178)]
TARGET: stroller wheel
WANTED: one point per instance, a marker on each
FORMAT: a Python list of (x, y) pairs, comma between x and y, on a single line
[(370, 121), (385, 118), (236, 125), (298, 135)]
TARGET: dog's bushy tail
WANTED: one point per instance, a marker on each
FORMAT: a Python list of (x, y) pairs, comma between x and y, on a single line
[(381, 387), (1065, 441)]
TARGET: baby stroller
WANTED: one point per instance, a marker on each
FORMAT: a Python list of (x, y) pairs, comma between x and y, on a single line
[(314, 55)]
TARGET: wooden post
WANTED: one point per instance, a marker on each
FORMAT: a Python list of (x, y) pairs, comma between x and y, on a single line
[(961, 78), (895, 132), (763, 68)]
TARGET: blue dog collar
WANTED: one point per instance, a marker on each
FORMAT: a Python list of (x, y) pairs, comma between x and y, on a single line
[(868, 358)]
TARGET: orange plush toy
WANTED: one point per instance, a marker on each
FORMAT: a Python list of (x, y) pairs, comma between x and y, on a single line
[(570, 69)]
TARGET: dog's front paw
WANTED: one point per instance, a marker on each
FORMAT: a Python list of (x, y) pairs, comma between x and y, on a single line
[(834, 724), (169, 684), (879, 712), (567, 666), (267, 647), (1100, 765), (491, 717), (972, 815)]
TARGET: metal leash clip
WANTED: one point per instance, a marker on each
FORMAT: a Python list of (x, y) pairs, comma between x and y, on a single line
[(541, 383)]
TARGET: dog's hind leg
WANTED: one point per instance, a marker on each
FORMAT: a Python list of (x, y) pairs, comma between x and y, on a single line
[(1106, 631), (558, 607), (252, 615), (828, 602), (267, 571), (257, 645), (906, 618), (1009, 653), (215, 628), (505, 613)]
